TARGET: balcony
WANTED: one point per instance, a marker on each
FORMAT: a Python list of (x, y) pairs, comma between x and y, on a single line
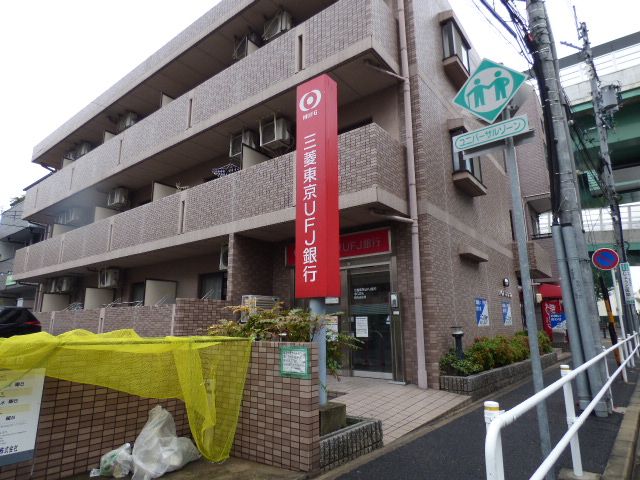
[(259, 200), (194, 126), (540, 258)]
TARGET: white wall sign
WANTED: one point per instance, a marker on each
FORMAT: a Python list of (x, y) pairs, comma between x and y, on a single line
[(19, 412), (362, 327), (627, 284)]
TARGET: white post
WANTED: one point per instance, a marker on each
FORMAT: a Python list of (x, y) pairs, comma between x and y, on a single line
[(635, 335), (606, 369), (491, 411), (576, 458), (630, 348)]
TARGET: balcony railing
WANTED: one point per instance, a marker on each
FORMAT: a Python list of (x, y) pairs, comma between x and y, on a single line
[(329, 34), (599, 220), (369, 157)]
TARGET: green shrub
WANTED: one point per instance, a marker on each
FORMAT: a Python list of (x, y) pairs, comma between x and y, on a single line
[(295, 325), (544, 343), (451, 365), (487, 353)]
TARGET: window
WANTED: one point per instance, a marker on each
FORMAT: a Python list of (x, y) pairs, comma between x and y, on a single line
[(137, 292), (213, 286), (460, 164), (454, 44)]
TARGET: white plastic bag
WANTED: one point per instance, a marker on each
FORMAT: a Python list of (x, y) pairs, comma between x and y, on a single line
[(116, 463), (158, 450)]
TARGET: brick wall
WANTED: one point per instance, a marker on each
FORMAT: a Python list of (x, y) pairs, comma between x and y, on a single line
[(193, 316), (250, 268), (278, 424)]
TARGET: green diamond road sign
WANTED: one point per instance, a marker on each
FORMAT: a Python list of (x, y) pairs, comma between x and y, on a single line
[(489, 89)]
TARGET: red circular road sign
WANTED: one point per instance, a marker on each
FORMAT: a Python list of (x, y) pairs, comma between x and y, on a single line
[(605, 259)]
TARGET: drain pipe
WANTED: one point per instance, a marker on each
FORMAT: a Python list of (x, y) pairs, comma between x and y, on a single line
[(413, 200)]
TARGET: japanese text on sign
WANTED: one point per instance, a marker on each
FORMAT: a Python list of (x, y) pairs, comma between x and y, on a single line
[(19, 413)]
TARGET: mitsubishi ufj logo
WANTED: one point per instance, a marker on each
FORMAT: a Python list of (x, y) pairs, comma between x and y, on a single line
[(310, 100)]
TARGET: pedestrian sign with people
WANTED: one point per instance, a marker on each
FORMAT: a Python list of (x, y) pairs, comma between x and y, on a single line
[(488, 91)]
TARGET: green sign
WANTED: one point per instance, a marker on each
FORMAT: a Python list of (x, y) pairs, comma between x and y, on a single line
[(295, 362), (627, 285), (493, 133), (489, 90)]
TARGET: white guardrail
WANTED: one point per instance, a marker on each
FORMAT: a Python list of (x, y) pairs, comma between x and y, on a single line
[(497, 420)]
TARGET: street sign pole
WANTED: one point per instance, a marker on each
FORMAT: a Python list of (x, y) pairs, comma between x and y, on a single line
[(527, 293)]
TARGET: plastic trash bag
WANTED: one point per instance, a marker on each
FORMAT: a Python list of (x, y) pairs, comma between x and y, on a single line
[(116, 463), (158, 450)]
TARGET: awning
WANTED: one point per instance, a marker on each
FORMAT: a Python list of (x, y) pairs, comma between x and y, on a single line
[(550, 290)]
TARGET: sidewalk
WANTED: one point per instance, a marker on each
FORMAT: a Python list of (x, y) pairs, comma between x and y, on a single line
[(453, 449), (401, 408)]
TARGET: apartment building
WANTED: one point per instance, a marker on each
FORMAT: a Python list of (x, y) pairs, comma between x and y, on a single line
[(173, 195), (16, 233)]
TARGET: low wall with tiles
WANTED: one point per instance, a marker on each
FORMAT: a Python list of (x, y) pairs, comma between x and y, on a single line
[(279, 421), (484, 383), (189, 316)]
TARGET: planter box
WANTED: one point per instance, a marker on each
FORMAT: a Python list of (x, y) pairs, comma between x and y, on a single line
[(361, 436), (481, 384)]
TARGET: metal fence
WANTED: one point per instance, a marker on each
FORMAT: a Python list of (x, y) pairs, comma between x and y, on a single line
[(497, 420), (598, 219)]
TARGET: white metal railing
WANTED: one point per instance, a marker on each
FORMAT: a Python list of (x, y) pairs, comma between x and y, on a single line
[(606, 64), (497, 420), (599, 219)]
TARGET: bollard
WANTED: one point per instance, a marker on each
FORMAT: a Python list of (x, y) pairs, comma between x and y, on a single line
[(491, 411), (576, 458), (606, 369)]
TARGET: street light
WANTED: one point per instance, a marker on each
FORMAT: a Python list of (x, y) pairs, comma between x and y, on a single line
[(457, 334)]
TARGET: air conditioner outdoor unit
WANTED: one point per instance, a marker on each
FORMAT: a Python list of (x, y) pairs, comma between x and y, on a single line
[(63, 284), (49, 285), (245, 46), (127, 120), (82, 149), (255, 302), (108, 278), (224, 257), (245, 137), (71, 216), (118, 198), (277, 25), (275, 133)]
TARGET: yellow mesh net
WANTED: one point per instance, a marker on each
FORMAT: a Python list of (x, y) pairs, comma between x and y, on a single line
[(207, 373)]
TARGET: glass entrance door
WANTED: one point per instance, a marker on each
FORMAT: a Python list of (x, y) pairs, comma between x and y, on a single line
[(371, 322)]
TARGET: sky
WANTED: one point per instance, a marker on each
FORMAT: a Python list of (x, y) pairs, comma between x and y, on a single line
[(60, 55)]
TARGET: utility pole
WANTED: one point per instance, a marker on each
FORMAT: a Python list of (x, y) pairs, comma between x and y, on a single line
[(604, 119), (569, 212)]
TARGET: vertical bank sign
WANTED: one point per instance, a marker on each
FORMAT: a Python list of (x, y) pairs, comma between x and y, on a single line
[(317, 216)]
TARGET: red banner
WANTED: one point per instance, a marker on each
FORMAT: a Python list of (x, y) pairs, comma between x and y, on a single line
[(317, 215), (359, 244)]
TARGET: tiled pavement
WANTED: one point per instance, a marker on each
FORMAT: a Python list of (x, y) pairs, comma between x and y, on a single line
[(402, 408)]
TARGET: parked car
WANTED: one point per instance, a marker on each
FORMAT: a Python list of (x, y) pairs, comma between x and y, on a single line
[(17, 321)]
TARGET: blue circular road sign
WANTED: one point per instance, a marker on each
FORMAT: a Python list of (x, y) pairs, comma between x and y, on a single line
[(605, 259)]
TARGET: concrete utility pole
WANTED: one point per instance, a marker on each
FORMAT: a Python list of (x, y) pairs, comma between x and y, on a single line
[(570, 215), (603, 115)]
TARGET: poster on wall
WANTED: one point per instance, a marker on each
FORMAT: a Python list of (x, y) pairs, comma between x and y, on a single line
[(482, 312), (295, 362), (362, 327), (19, 413), (507, 321), (553, 316), (331, 323)]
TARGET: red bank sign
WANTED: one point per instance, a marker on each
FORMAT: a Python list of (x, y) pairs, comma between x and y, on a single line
[(359, 244), (317, 216)]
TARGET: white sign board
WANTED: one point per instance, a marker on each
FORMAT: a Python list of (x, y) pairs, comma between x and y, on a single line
[(627, 284), (362, 327), (19, 412), (331, 324), (491, 134)]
